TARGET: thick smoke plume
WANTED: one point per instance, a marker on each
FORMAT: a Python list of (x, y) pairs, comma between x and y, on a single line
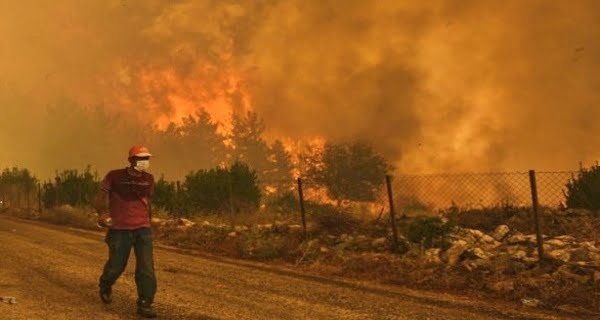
[(436, 86)]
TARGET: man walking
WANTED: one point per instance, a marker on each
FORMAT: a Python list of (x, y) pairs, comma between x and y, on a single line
[(123, 205)]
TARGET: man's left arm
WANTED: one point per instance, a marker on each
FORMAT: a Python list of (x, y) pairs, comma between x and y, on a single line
[(150, 194)]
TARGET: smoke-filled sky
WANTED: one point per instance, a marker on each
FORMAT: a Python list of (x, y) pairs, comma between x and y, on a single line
[(436, 86)]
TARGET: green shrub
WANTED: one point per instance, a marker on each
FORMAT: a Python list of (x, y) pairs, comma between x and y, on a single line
[(17, 188), (429, 231), (164, 195), (214, 190), (71, 187), (584, 190), (167, 197)]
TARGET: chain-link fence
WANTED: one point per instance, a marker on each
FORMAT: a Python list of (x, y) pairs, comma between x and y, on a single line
[(479, 190), (430, 193)]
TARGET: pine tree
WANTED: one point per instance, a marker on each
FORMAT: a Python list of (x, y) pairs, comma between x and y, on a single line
[(279, 174), (248, 143)]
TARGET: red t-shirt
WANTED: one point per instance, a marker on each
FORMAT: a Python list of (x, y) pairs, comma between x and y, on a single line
[(129, 198)]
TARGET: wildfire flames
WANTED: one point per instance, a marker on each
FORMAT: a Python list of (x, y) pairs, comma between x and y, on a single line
[(169, 97)]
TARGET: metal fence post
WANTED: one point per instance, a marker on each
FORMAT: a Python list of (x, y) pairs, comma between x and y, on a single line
[(388, 180), (302, 210), (40, 198), (231, 207), (536, 217)]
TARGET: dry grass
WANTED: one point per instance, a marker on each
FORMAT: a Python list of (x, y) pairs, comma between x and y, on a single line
[(84, 218)]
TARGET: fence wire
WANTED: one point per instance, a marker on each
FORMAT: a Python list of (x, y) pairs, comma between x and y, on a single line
[(480, 190)]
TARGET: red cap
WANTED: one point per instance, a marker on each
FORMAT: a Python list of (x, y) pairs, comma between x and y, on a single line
[(139, 151)]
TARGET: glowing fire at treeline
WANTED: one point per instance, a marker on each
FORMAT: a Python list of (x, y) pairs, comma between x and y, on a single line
[(184, 97)]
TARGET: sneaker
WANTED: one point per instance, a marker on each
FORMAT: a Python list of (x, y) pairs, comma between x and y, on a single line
[(145, 310), (106, 295)]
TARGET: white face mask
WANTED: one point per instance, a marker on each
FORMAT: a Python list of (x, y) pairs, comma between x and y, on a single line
[(142, 165)]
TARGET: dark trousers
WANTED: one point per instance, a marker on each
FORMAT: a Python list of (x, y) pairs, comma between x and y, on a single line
[(119, 244)]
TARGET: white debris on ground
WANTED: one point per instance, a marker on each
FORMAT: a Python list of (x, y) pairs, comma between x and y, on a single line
[(9, 300)]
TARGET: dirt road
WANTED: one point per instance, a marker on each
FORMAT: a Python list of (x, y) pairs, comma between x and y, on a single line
[(52, 271)]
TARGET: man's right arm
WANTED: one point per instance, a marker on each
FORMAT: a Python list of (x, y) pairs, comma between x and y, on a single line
[(101, 206), (101, 202)]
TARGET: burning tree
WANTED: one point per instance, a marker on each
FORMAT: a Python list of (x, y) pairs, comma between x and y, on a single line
[(248, 142), (349, 171), (272, 163), (196, 143)]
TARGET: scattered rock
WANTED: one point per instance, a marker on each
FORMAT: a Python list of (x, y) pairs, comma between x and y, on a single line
[(531, 302), (479, 253), (491, 246), (557, 243), (379, 242), (566, 272), (560, 254), (500, 232), (232, 234), (503, 286), (186, 223), (529, 261), (590, 246), (522, 239), (569, 308), (240, 229), (432, 256), (265, 227), (487, 239), (517, 239), (223, 226), (280, 227), (294, 228), (579, 254), (566, 238), (9, 300), (475, 233), (471, 265), (156, 220), (455, 252), (517, 252), (324, 249)]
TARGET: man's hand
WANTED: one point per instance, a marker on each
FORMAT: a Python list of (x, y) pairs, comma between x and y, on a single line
[(104, 220)]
